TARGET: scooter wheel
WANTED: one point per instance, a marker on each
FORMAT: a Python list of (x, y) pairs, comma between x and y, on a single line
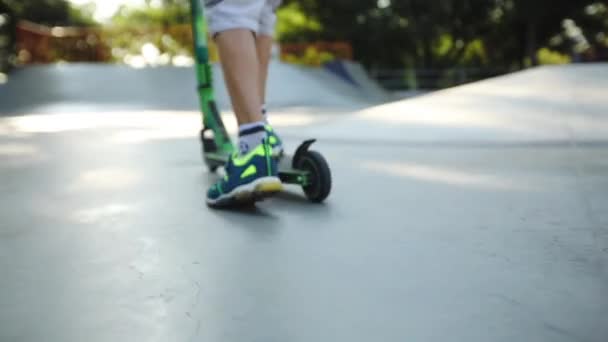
[(319, 185), (212, 165)]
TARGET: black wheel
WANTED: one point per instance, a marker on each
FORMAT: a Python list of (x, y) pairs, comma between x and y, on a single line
[(212, 167), (319, 178), (208, 146), (207, 142)]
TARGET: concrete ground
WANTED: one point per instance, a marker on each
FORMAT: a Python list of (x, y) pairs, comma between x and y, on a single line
[(479, 213)]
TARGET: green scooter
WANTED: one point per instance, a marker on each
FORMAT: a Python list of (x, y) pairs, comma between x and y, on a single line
[(306, 167)]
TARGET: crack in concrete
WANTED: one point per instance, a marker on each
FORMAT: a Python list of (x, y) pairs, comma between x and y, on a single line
[(546, 325), (594, 223), (190, 313)]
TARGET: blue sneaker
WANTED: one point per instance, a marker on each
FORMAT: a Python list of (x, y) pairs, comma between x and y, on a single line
[(275, 142), (248, 179)]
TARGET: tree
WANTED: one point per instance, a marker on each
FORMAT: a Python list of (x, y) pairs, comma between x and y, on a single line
[(439, 34), (48, 12), (412, 32), (171, 12), (7, 36), (533, 24)]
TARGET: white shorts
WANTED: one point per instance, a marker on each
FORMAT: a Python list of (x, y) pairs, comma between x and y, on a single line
[(259, 16)]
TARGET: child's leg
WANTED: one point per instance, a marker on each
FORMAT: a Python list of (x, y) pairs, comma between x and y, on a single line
[(240, 65), (264, 41), (233, 23), (264, 48), (253, 174)]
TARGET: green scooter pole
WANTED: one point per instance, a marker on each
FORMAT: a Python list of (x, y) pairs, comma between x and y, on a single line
[(215, 139)]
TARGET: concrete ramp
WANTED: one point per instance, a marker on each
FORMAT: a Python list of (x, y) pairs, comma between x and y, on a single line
[(474, 214), (355, 74), (543, 105), (304, 86), (87, 87)]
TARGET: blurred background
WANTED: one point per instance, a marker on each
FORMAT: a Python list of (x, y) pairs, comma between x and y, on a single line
[(475, 213), (403, 44)]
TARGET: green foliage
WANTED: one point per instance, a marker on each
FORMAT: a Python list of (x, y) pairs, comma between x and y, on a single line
[(384, 33), (166, 28), (49, 12), (585, 33), (547, 56), (448, 33), (405, 33), (172, 14), (82, 15), (294, 25), (169, 43)]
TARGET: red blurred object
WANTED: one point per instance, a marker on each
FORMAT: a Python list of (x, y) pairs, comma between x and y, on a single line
[(42, 44)]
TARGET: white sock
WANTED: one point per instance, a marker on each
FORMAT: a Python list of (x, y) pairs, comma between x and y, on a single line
[(251, 135)]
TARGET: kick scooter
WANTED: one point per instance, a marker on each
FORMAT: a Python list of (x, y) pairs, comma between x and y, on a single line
[(306, 168)]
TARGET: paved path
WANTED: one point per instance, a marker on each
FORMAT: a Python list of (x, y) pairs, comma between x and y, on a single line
[(475, 214)]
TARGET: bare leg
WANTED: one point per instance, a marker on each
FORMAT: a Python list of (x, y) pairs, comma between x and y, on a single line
[(240, 64), (264, 48)]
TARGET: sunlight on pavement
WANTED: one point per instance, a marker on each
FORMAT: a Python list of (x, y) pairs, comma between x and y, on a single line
[(106, 179), (542, 85), (7, 131), (459, 109), (108, 211), (418, 112), (135, 136), (137, 127), (18, 150), (504, 106), (56, 123), (446, 176)]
